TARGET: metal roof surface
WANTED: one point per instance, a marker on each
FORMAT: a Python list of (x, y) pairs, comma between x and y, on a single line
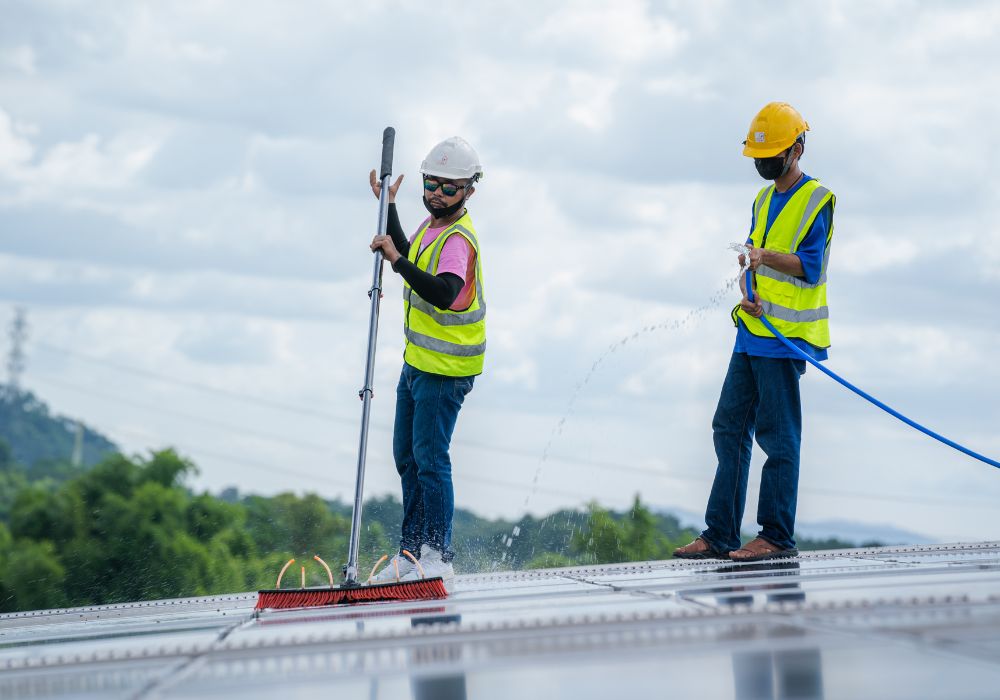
[(893, 622)]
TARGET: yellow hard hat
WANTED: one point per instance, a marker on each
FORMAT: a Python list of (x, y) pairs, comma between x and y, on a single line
[(774, 129)]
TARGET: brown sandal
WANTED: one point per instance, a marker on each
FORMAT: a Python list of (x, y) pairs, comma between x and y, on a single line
[(699, 549), (759, 549)]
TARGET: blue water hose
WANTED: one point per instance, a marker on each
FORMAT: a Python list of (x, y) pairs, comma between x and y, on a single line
[(859, 392)]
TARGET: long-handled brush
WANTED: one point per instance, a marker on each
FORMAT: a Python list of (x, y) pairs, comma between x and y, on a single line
[(351, 591)]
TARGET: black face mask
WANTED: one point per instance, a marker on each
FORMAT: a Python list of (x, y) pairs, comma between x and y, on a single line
[(444, 212), (774, 167)]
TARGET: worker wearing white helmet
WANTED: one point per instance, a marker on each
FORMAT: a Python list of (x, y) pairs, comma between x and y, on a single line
[(445, 330)]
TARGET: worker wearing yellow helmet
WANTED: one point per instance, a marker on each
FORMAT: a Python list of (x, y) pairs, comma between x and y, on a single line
[(444, 325), (789, 248)]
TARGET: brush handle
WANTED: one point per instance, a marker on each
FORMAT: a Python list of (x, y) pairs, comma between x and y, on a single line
[(388, 143), (367, 391)]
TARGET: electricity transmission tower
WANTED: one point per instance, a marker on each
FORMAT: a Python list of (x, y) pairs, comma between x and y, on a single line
[(18, 334)]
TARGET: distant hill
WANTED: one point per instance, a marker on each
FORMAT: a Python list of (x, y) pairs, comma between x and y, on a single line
[(824, 534), (861, 533), (38, 438)]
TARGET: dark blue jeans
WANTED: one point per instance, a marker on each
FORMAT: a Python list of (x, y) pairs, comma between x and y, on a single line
[(427, 407), (760, 395)]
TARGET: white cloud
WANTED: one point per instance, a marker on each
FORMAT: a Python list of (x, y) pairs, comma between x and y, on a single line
[(71, 167), (625, 31), (15, 149), (941, 29), (21, 58), (592, 100), (870, 251), (683, 86), (523, 373), (185, 192), (89, 163)]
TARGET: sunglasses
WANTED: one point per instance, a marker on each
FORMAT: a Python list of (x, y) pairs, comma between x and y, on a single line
[(448, 189)]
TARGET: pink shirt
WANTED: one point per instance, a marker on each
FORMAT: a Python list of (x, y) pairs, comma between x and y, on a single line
[(458, 258)]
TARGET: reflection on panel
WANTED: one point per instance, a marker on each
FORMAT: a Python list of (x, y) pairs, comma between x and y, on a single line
[(859, 623)]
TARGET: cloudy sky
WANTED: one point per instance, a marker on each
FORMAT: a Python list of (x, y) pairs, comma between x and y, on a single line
[(184, 212)]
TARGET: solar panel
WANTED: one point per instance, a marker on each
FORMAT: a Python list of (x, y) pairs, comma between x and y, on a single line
[(893, 622)]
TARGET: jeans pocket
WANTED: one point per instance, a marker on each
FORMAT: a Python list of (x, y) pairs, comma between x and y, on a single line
[(461, 386)]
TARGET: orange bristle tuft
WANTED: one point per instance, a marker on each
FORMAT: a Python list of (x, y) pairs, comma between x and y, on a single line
[(424, 589)]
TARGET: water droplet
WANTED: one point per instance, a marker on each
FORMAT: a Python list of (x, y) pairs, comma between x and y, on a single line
[(674, 325)]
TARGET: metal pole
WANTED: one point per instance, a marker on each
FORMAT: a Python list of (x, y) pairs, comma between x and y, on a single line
[(367, 392)]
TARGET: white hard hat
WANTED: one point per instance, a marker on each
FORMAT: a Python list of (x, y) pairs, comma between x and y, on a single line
[(454, 159)]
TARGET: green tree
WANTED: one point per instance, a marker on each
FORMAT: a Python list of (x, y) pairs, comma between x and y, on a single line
[(299, 526), (41, 515), (633, 536), (32, 577), (643, 540), (600, 541), (7, 601), (550, 560), (6, 540), (207, 516), (167, 468), (6, 457), (124, 532), (117, 474), (11, 485), (128, 529)]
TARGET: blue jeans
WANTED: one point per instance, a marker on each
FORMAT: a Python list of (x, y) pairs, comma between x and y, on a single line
[(760, 394), (427, 407)]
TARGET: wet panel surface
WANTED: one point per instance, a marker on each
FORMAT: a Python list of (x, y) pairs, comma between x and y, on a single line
[(886, 623)]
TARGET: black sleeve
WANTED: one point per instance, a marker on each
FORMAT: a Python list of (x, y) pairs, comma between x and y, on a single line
[(395, 231), (441, 290)]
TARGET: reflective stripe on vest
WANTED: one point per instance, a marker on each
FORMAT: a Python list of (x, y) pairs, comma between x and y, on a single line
[(445, 319), (443, 341), (443, 346), (796, 308)]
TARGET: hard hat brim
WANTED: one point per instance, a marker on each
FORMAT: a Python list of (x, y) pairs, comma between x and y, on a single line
[(761, 151), (450, 173)]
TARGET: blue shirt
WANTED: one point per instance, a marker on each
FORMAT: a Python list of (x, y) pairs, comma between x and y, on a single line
[(810, 252)]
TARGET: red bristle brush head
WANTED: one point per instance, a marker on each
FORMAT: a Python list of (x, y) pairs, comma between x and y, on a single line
[(278, 599)]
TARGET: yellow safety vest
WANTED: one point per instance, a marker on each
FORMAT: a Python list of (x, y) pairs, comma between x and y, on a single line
[(795, 307), (452, 343)]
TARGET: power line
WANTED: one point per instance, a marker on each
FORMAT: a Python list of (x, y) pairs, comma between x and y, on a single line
[(241, 461), (706, 478), (574, 461), (196, 386), (270, 468), (274, 438), (239, 430)]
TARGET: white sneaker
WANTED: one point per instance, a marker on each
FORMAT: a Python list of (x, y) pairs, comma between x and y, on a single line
[(433, 567), (396, 569)]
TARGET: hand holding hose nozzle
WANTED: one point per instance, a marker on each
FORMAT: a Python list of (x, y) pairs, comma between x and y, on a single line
[(749, 302)]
